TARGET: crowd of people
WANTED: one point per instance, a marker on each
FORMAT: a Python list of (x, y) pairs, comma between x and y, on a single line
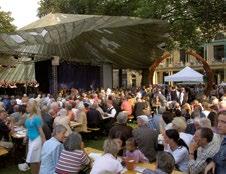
[(179, 128)]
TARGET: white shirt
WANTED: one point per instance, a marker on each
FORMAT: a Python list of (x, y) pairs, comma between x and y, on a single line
[(181, 157), (106, 163), (169, 126), (186, 137), (113, 112), (206, 113)]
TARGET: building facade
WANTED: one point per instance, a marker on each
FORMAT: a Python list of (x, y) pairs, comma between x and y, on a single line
[(214, 53)]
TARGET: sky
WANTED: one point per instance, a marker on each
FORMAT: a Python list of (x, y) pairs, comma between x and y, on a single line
[(23, 11)]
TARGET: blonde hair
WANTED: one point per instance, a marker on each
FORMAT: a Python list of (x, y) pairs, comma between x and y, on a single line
[(34, 107), (110, 146), (180, 124), (187, 107)]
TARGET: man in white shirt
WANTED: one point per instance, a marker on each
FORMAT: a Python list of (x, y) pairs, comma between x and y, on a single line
[(109, 117)]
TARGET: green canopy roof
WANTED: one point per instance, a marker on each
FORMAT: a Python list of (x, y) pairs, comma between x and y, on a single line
[(14, 72), (126, 42)]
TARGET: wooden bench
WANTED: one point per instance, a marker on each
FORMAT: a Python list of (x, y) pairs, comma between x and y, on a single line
[(90, 133), (93, 129), (3, 153)]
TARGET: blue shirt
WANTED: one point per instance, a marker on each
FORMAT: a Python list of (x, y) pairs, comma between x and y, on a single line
[(51, 150), (33, 124), (220, 159), (154, 122)]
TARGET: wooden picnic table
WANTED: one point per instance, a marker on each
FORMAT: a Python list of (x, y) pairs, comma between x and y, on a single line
[(3, 151), (19, 133), (151, 166)]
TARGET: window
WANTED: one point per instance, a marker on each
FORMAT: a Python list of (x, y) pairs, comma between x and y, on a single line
[(218, 52), (134, 80), (182, 56), (219, 36)]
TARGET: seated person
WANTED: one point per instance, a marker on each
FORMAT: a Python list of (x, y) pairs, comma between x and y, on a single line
[(205, 147), (178, 148), (180, 125), (4, 130), (133, 152), (62, 119), (108, 163), (73, 158), (81, 118), (93, 116), (120, 129), (146, 138), (22, 110), (51, 150), (164, 164), (16, 116), (217, 164)]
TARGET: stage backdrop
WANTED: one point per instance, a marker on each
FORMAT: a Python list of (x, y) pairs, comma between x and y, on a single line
[(78, 76), (70, 75)]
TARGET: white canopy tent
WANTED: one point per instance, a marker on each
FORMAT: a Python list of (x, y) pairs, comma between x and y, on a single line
[(185, 75)]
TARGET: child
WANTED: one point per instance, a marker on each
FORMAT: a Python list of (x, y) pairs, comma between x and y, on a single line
[(133, 152)]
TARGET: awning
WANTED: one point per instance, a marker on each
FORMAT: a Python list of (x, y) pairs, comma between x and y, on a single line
[(13, 72), (126, 42), (185, 75)]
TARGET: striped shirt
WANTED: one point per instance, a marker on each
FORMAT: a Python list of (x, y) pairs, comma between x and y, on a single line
[(71, 162)]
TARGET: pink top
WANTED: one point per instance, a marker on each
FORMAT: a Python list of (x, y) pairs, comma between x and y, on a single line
[(126, 106), (137, 155)]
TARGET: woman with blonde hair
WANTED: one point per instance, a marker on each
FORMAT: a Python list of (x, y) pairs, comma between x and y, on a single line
[(35, 136), (108, 163)]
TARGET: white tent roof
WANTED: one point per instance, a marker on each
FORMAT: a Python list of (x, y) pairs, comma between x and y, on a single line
[(185, 75)]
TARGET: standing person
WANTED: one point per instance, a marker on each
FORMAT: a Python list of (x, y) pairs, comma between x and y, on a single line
[(218, 163), (183, 96), (173, 94), (51, 150), (109, 116), (35, 135), (146, 138)]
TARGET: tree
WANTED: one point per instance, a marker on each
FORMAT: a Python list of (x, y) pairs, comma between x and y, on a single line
[(68, 6), (5, 22), (191, 22)]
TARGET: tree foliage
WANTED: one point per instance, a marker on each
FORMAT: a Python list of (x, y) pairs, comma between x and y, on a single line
[(5, 22), (191, 22)]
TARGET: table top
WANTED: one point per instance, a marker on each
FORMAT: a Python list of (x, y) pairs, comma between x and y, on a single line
[(142, 165), (3, 151), (19, 132), (74, 124)]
